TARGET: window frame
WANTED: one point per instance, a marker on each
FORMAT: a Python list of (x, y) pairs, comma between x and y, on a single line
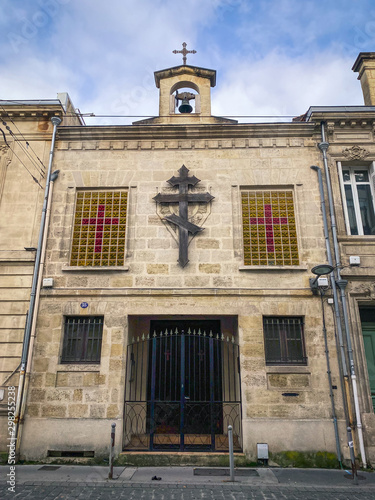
[(284, 343), (276, 265), (370, 169), (68, 333), (101, 266)]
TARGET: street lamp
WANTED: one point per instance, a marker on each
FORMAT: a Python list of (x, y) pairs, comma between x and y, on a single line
[(320, 283), (322, 269)]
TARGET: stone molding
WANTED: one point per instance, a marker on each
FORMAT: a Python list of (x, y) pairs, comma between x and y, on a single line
[(121, 292), (363, 289), (339, 125), (200, 144), (30, 113), (355, 153), (187, 132)]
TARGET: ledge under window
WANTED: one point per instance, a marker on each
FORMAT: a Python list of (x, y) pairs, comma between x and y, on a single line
[(70, 366), (95, 268), (287, 369), (272, 268)]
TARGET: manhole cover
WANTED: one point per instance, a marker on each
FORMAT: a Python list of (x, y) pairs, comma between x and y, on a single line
[(49, 467), (217, 471)]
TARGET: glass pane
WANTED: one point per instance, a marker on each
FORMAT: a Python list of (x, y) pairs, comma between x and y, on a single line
[(367, 209), (272, 340), (346, 175), (99, 229), (294, 341), (269, 228), (361, 176), (351, 212)]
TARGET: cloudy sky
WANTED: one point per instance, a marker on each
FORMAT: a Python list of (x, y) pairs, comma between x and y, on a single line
[(273, 57)]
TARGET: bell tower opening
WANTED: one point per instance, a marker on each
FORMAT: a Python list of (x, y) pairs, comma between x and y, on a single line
[(185, 98)]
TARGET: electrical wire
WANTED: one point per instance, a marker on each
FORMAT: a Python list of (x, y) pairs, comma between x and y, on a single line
[(22, 163), (5, 139), (93, 115), (27, 143), (40, 170)]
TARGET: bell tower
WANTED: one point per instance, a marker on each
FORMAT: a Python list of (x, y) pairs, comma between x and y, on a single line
[(181, 85), (185, 95)]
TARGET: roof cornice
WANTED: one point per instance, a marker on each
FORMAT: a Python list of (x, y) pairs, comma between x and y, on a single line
[(185, 70), (162, 132)]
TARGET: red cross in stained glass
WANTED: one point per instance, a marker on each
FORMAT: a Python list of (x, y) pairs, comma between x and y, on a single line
[(99, 222), (269, 222)]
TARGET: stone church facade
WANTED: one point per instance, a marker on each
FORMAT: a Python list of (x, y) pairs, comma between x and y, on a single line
[(176, 295)]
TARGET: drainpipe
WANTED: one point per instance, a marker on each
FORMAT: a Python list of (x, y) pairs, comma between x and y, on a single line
[(334, 418), (341, 347), (323, 146), (330, 262), (54, 176), (21, 395)]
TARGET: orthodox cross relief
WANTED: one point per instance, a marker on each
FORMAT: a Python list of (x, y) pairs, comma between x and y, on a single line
[(184, 52), (183, 198)]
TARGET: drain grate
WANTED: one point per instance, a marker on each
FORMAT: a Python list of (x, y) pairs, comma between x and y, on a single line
[(218, 471), (49, 467)]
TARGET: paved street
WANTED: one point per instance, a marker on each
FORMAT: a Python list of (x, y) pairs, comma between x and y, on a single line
[(56, 491), (51, 482)]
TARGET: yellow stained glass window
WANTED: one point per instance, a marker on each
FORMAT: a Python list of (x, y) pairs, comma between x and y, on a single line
[(269, 228), (99, 228)]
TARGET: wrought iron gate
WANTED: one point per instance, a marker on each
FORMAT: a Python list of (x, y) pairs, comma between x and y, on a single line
[(182, 388)]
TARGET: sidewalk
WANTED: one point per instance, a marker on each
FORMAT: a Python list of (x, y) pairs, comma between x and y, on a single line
[(189, 476)]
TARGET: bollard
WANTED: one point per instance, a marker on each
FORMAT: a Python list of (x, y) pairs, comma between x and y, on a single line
[(352, 457), (231, 456), (111, 451)]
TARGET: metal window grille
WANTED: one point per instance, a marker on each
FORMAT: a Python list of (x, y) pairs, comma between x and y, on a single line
[(82, 339), (284, 341), (99, 228), (269, 228)]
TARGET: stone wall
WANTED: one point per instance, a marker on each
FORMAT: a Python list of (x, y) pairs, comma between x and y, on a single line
[(215, 282)]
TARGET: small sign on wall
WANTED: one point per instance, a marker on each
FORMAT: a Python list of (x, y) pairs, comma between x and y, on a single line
[(84, 305)]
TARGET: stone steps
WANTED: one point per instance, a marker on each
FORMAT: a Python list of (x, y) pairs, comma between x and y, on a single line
[(165, 459)]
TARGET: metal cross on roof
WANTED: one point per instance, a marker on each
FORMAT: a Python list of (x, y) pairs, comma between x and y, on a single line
[(184, 51), (183, 198)]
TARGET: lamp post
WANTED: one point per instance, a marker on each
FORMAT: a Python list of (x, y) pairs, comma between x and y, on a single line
[(321, 285)]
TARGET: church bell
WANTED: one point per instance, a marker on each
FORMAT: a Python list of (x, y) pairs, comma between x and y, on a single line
[(185, 107)]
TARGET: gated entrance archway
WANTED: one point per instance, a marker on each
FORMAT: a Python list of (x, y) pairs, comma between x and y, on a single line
[(182, 388)]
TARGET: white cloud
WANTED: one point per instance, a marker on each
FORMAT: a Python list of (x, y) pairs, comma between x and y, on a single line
[(278, 85), (104, 53)]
